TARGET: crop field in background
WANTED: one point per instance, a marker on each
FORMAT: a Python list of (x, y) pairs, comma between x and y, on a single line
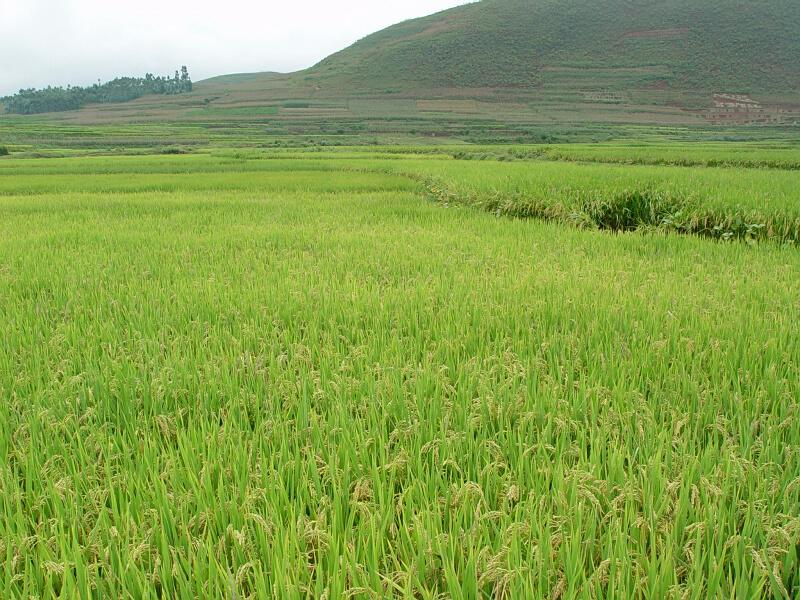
[(368, 373)]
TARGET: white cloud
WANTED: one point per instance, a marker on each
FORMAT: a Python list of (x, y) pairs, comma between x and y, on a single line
[(78, 41)]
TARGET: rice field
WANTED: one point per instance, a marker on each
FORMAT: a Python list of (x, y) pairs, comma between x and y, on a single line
[(723, 203), (259, 374)]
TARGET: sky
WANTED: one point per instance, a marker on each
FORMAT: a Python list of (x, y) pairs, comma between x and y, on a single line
[(60, 42)]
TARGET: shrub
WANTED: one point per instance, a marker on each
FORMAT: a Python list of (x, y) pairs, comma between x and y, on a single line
[(173, 150), (3, 151)]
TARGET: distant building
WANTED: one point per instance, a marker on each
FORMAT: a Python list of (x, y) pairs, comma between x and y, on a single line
[(736, 102), (739, 108)]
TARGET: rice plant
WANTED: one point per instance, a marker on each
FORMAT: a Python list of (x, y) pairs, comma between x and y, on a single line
[(288, 379)]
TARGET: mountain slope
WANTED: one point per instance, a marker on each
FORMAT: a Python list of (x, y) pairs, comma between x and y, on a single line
[(722, 45)]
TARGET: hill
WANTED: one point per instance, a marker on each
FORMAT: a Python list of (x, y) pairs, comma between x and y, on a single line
[(561, 61), (717, 45)]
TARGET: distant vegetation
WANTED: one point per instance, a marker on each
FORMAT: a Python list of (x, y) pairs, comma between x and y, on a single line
[(3, 151), (122, 89)]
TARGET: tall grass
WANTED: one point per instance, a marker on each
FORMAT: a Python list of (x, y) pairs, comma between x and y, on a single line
[(750, 204), (329, 390), (780, 156)]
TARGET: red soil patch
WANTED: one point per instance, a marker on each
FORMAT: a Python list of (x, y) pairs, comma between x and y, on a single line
[(661, 84), (658, 33)]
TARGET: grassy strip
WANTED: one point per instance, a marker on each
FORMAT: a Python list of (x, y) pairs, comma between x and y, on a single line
[(626, 210), (701, 155)]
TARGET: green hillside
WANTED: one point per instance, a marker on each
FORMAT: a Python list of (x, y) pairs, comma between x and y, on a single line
[(722, 45)]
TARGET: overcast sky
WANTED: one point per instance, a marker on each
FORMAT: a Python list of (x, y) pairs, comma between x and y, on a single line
[(63, 42)]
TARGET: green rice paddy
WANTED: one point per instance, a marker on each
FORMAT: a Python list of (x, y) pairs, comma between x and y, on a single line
[(266, 374)]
